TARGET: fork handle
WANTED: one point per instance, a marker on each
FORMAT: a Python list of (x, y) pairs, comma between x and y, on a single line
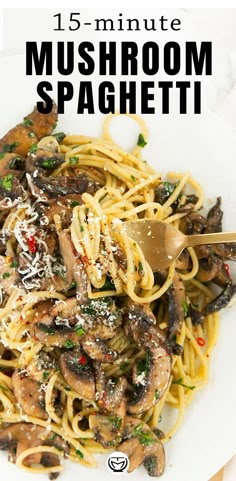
[(213, 238)]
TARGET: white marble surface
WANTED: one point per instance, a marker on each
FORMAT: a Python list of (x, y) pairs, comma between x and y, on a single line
[(219, 90)]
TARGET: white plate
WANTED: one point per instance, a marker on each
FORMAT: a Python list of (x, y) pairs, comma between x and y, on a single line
[(204, 146)]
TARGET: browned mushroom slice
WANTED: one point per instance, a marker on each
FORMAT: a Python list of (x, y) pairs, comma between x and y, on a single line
[(65, 185), (12, 164), (142, 446), (43, 124), (221, 301), (63, 206), (52, 331), (78, 373), (44, 162), (19, 437), (197, 317), (74, 266), (176, 298), (226, 251), (11, 188), (223, 278), (193, 223), (110, 393), (188, 205), (154, 383), (34, 127), (209, 269), (29, 394), (107, 429), (214, 218), (102, 317), (98, 350)]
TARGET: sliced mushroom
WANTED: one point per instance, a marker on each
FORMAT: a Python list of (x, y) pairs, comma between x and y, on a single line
[(19, 437), (29, 394), (65, 185), (43, 162), (109, 393), (98, 350), (214, 218), (12, 164), (221, 301), (188, 205), (142, 446), (196, 316), (107, 429), (75, 269), (158, 366), (11, 188), (176, 297), (226, 251), (209, 268), (50, 330), (193, 223), (63, 206), (78, 373), (35, 126), (223, 278)]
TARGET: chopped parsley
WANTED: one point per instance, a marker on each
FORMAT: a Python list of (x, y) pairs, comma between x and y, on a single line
[(185, 308), (5, 275), (59, 136), (52, 437), (78, 452), (79, 330), (141, 142), (124, 366), (54, 126), (3, 388), (81, 228), (74, 203), (6, 182), (115, 421), (13, 162), (67, 388), (103, 197), (45, 328), (180, 382), (141, 366), (46, 375), (73, 160), (157, 394), (140, 269), (69, 344), (31, 135), (33, 148), (2, 155), (27, 122), (133, 178), (10, 147), (146, 438), (48, 163)]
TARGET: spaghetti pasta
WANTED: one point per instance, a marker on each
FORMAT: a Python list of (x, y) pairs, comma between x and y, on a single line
[(76, 293)]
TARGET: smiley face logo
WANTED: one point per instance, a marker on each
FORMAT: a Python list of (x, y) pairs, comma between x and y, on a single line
[(117, 462)]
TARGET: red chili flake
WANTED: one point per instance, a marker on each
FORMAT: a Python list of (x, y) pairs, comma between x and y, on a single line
[(32, 244), (201, 342), (82, 360), (227, 269)]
